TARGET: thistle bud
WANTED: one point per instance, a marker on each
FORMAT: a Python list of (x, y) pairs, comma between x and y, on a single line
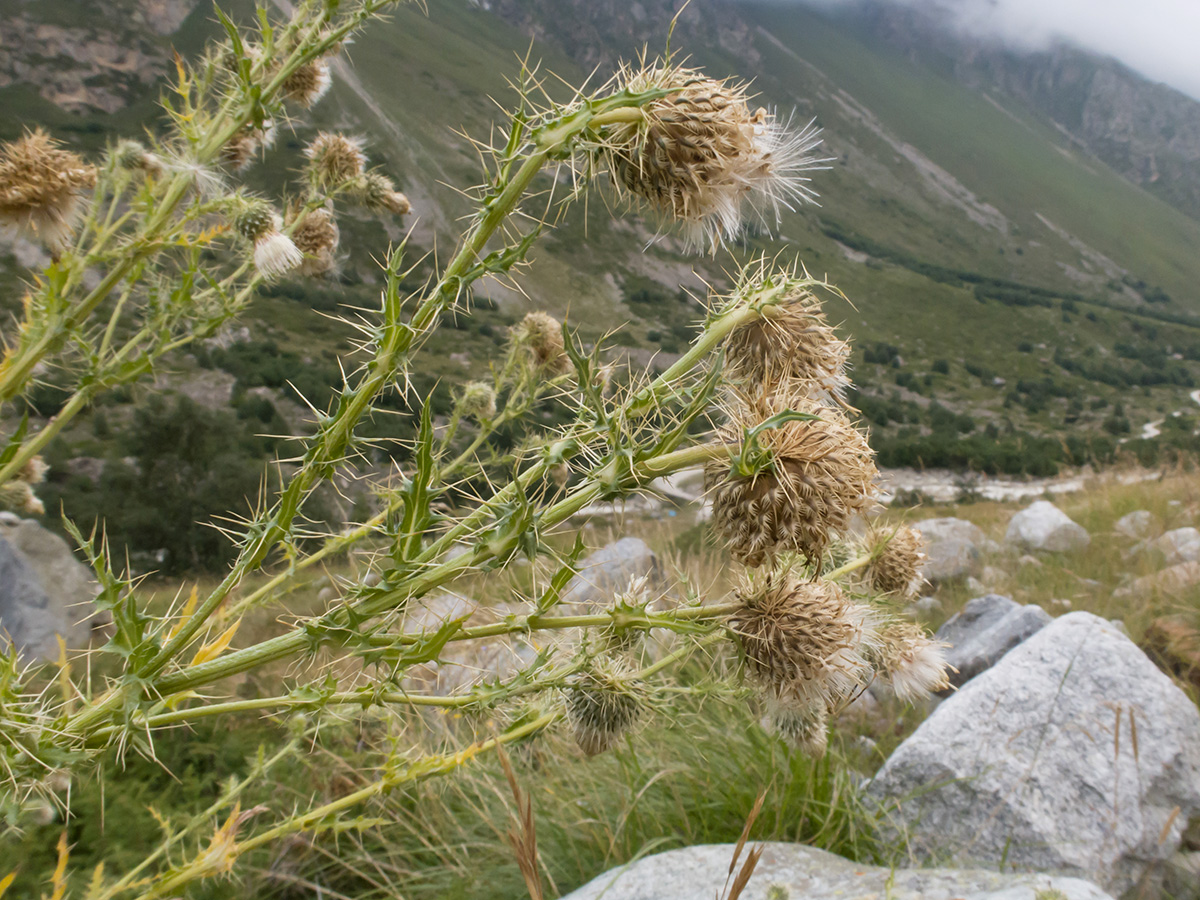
[(41, 188), (703, 159), (308, 84), (791, 344), (478, 401), (895, 566), (316, 235), (274, 252), (133, 157), (805, 643), (335, 159), (540, 335), (379, 194), (911, 662), (821, 473), (602, 705)]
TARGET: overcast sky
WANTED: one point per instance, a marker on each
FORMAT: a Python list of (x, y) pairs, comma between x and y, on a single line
[(1159, 38)]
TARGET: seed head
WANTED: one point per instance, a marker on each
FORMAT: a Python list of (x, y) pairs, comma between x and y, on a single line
[(791, 344), (703, 159), (805, 642), (335, 159), (806, 728), (895, 567), (478, 401), (540, 334), (379, 194), (602, 705), (274, 252), (820, 474), (308, 84), (912, 663), (316, 236), (41, 188)]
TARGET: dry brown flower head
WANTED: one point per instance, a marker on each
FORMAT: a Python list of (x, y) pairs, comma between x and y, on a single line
[(897, 557), (41, 188), (541, 335), (821, 474), (702, 155), (805, 642), (791, 344), (316, 236), (335, 158), (911, 662)]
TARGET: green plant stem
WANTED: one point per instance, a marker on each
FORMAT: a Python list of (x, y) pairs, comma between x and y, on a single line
[(436, 765), (298, 641), (523, 625), (849, 567), (398, 339)]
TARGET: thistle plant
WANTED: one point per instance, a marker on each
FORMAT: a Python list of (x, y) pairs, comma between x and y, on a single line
[(755, 400)]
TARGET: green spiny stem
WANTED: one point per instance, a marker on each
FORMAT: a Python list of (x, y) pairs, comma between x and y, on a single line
[(394, 348), (436, 765), (420, 770), (227, 797), (296, 642), (523, 625), (849, 567)]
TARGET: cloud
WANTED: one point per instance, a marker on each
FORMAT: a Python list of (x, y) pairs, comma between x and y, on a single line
[(1158, 38)]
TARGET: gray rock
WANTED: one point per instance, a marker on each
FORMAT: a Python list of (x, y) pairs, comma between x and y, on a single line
[(611, 570), (1073, 754), (1179, 546), (1043, 526), (806, 873), (1171, 581), (1136, 525), (26, 619), (986, 629), (952, 548), (44, 591)]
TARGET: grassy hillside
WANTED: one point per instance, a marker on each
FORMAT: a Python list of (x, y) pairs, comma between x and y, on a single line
[(1014, 307)]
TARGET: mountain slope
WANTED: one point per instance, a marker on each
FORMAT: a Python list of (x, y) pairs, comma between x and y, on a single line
[(1004, 282)]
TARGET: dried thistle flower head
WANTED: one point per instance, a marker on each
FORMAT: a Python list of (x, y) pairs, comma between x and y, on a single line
[(805, 643), (274, 252), (478, 400), (239, 151), (805, 728), (18, 496), (540, 334), (41, 188), (34, 471), (379, 194), (790, 344), (820, 473), (703, 159), (897, 555), (911, 662), (335, 159), (316, 235), (602, 705), (308, 84)]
